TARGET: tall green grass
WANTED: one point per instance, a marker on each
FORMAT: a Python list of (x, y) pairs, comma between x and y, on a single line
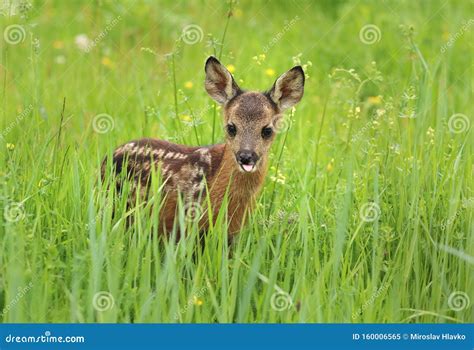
[(366, 214)]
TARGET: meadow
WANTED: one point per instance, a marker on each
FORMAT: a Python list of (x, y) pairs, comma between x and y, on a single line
[(367, 210)]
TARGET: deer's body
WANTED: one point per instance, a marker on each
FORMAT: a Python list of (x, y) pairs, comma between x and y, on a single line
[(234, 170), (189, 172)]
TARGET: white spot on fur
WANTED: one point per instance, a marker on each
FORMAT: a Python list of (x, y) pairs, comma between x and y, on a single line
[(205, 156), (179, 156), (158, 153), (135, 148), (169, 155)]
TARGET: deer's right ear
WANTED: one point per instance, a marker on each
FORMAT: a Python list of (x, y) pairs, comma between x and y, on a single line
[(220, 84)]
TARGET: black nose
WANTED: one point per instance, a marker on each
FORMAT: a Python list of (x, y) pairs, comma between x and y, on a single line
[(247, 157)]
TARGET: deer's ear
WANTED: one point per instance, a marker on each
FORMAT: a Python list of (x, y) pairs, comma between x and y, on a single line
[(288, 89), (220, 84)]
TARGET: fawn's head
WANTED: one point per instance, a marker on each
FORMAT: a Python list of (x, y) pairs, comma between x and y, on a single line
[(251, 117)]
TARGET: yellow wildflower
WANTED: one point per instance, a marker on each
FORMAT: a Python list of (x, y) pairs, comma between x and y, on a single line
[(42, 183), (374, 100), (186, 118), (330, 166), (238, 13), (58, 44), (188, 85), (10, 146), (106, 61), (270, 72), (197, 301), (231, 68)]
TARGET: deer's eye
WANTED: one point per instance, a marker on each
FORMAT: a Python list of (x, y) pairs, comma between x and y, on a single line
[(267, 132), (231, 130)]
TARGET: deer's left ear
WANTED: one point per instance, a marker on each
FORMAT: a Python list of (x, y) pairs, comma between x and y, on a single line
[(288, 88), (220, 84)]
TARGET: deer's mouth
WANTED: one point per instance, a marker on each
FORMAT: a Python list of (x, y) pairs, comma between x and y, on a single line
[(247, 160), (248, 168)]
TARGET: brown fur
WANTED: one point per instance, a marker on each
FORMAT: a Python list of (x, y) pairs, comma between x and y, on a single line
[(221, 175)]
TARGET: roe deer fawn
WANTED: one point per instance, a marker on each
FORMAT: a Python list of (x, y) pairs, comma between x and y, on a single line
[(236, 167)]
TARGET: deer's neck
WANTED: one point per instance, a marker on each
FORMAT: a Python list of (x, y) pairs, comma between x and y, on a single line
[(241, 188), (238, 183)]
